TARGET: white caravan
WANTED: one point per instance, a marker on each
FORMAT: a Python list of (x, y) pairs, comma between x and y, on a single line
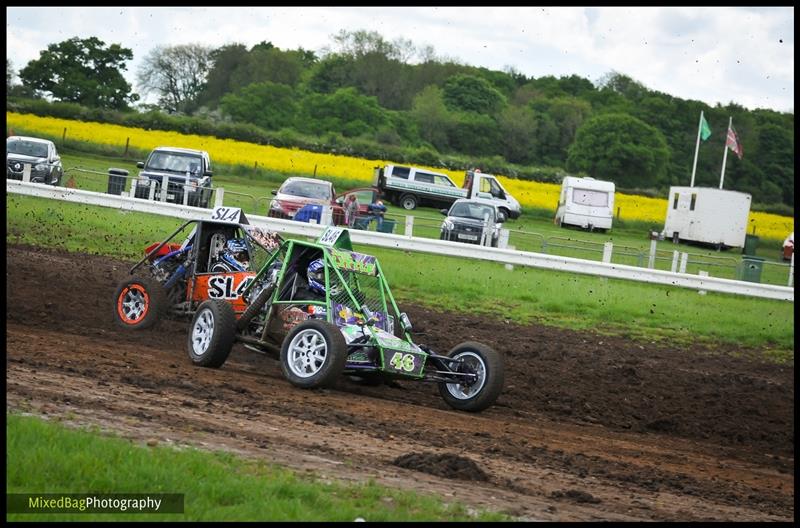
[(586, 203)]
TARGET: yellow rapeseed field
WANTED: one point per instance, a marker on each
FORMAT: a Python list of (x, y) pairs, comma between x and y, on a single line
[(295, 161)]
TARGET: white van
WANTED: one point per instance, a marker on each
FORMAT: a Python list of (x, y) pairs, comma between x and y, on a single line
[(409, 187), (586, 203)]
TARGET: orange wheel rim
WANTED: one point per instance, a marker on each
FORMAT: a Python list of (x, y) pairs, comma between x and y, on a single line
[(133, 304)]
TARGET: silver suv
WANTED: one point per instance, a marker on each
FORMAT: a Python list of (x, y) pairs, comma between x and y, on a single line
[(39, 154), (187, 171)]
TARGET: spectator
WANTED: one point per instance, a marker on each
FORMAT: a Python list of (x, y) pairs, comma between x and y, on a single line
[(376, 212), (350, 210)]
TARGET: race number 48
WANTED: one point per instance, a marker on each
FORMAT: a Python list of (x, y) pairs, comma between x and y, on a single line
[(402, 361)]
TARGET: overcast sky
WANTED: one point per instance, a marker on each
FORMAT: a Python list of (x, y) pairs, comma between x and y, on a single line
[(715, 55)]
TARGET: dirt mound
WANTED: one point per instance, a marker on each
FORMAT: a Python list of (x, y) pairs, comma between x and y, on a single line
[(446, 465)]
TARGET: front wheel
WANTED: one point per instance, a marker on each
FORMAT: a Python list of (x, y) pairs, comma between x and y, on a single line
[(313, 354), (483, 390), (212, 334), (139, 303)]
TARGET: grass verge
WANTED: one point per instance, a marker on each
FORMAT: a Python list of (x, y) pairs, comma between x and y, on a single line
[(46, 457)]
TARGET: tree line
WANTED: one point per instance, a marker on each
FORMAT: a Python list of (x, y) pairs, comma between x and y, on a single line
[(366, 90)]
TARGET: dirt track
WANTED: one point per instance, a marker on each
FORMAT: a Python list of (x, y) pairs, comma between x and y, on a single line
[(589, 427)]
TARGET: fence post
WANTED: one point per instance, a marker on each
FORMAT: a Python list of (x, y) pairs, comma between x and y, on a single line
[(164, 187), (702, 274), (674, 267), (218, 197), (26, 172), (502, 241), (315, 170), (684, 262), (791, 271), (509, 267), (618, 208), (127, 144), (409, 225), (64, 136), (607, 249), (651, 260)]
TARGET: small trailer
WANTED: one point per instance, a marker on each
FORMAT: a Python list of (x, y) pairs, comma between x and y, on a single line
[(586, 203), (708, 216)]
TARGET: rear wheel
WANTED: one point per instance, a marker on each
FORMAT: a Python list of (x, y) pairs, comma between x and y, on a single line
[(212, 334), (139, 303), (408, 202), (313, 354), (483, 390)]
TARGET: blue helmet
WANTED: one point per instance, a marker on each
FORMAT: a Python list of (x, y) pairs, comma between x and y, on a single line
[(316, 276), (236, 254)]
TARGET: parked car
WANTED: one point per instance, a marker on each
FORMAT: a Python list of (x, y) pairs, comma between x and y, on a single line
[(788, 247), (467, 220), (297, 192), (40, 154), (187, 170)]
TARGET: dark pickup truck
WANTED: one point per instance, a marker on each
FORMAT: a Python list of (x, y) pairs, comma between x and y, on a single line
[(188, 171)]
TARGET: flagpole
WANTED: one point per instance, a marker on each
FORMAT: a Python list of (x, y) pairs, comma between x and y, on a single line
[(725, 156), (697, 147)]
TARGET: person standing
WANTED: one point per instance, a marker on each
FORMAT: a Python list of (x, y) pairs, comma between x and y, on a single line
[(350, 210)]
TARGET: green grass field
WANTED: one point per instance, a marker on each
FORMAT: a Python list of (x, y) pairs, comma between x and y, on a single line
[(46, 457), (640, 311)]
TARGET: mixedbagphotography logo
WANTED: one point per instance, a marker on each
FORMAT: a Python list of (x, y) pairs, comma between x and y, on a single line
[(94, 502)]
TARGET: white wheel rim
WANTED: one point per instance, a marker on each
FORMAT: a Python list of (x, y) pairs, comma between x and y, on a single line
[(307, 353), (465, 392), (202, 332), (133, 304), (408, 203)]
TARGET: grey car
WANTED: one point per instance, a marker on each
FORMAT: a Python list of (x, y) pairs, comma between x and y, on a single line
[(38, 154), (467, 220)]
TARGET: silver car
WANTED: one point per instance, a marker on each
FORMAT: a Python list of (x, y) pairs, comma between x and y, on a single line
[(39, 155)]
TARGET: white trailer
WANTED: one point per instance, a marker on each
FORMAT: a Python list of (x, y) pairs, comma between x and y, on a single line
[(586, 203), (707, 215)]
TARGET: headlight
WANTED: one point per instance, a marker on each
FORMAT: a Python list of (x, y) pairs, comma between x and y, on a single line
[(447, 225), (276, 205), (40, 166), (143, 182)]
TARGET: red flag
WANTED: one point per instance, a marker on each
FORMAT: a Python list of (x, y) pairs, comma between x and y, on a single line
[(733, 143)]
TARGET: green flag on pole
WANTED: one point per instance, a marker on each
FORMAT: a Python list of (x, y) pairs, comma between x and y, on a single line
[(705, 130)]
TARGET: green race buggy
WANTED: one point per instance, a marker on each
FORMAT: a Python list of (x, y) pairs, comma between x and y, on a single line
[(348, 325)]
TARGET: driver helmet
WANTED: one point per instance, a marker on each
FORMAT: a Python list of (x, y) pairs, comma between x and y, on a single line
[(236, 253), (316, 278)]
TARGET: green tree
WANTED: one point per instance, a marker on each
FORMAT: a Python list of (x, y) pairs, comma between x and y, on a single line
[(224, 61), (269, 105), (622, 149), (345, 112), (432, 117), (82, 71), (177, 74), (472, 94)]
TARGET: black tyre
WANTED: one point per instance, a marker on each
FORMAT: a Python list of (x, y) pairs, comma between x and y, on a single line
[(408, 202), (212, 334), (254, 307), (480, 394), (313, 354), (139, 303)]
